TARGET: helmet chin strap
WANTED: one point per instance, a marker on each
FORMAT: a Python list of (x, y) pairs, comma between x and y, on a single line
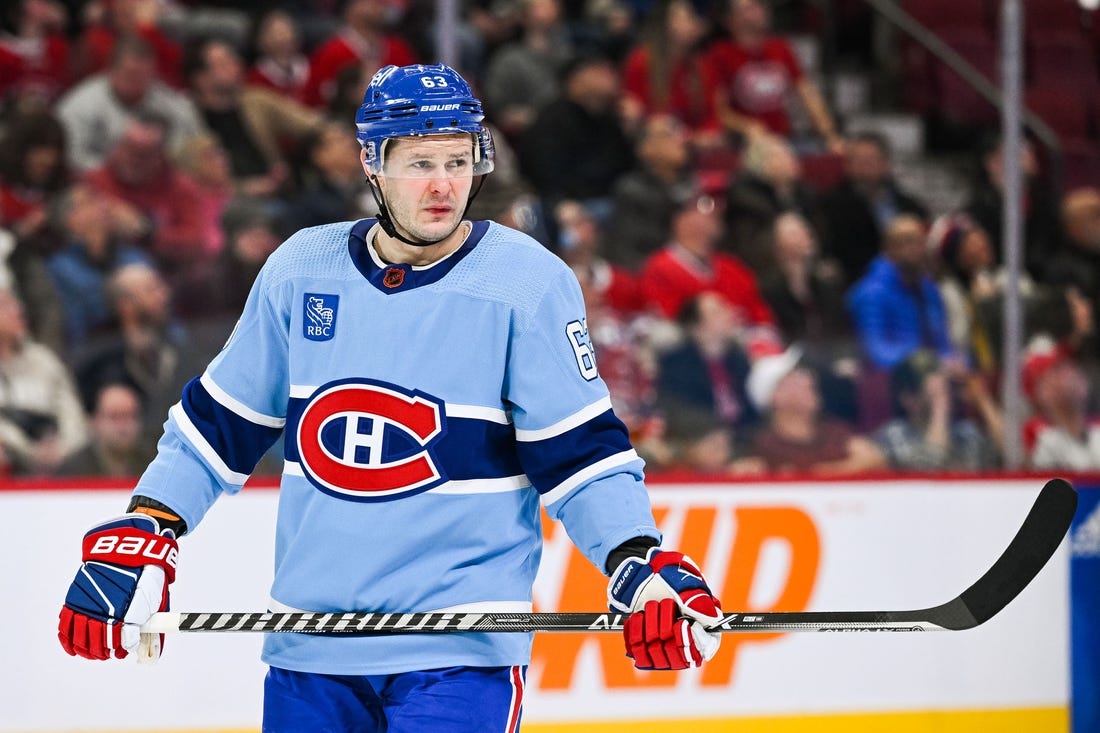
[(386, 221)]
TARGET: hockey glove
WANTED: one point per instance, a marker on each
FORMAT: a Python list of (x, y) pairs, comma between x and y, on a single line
[(670, 607), (128, 564)]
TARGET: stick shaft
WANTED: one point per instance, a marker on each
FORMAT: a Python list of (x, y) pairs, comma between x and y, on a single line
[(1036, 541), (369, 624)]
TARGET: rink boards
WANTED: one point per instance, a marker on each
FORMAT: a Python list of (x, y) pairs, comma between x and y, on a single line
[(868, 545)]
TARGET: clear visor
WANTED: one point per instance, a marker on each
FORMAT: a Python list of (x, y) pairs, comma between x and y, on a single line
[(431, 157)]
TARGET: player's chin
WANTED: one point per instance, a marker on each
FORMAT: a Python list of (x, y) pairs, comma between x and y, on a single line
[(438, 227)]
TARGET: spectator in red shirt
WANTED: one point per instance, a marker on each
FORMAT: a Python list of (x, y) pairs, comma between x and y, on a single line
[(757, 73), (365, 40), (205, 161), (280, 64), (118, 18), (139, 173), (666, 73), (690, 264), (32, 40)]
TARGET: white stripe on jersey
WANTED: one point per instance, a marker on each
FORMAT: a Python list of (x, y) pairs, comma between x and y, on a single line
[(580, 417), (238, 407), (476, 412), (489, 414), (483, 485), (466, 486), (302, 391), (587, 473), (203, 448)]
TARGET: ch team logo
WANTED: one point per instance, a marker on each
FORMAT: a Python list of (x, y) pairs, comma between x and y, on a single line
[(370, 441), (319, 316)]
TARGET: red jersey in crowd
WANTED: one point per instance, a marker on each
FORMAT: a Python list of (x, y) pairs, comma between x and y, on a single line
[(17, 202), (173, 205), (98, 42), (40, 66), (691, 89), (343, 50), (672, 276), (757, 83), (290, 81)]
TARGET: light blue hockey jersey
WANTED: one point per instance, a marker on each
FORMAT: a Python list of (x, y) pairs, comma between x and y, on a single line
[(427, 413)]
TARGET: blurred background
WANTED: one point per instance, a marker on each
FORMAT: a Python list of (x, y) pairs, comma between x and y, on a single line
[(817, 239)]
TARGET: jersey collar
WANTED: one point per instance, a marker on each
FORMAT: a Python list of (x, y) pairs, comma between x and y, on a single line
[(398, 278)]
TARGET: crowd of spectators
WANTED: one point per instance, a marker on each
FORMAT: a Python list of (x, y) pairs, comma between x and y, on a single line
[(748, 317)]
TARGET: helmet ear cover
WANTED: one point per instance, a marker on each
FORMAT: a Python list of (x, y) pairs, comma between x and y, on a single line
[(417, 101)]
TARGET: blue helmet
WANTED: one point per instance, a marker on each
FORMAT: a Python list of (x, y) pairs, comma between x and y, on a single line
[(407, 101)]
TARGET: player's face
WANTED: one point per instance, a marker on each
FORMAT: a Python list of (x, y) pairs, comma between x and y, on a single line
[(426, 183)]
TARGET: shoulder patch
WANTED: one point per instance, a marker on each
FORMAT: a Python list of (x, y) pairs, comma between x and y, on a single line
[(319, 316)]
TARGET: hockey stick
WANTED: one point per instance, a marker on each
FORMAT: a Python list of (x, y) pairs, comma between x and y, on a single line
[(1035, 542)]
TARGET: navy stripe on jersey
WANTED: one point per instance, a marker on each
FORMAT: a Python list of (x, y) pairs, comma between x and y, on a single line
[(552, 461), (239, 442), (399, 278), (469, 449)]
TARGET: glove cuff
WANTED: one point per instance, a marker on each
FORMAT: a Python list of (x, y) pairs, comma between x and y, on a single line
[(625, 590), (636, 547)]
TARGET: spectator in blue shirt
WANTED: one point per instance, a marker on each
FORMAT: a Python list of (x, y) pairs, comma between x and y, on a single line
[(896, 306)]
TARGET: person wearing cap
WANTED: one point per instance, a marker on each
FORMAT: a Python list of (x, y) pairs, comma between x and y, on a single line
[(1063, 433), (796, 437), (437, 387)]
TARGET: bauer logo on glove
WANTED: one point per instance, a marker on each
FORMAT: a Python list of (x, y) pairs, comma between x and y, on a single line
[(128, 565), (670, 606)]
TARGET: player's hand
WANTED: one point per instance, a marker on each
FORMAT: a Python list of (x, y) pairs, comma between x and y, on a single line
[(128, 564), (670, 607)]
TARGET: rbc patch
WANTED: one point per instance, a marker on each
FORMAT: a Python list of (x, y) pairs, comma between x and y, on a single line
[(319, 316)]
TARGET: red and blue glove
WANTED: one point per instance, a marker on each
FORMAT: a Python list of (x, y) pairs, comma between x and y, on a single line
[(128, 564), (670, 606)]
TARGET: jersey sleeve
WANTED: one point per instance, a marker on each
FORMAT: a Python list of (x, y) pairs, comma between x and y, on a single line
[(229, 417), (575, 451)]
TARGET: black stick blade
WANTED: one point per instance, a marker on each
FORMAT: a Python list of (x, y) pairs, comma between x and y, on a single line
[(1037, 540)]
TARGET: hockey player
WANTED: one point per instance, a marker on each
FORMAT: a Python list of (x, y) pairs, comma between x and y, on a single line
[(435, 383)]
